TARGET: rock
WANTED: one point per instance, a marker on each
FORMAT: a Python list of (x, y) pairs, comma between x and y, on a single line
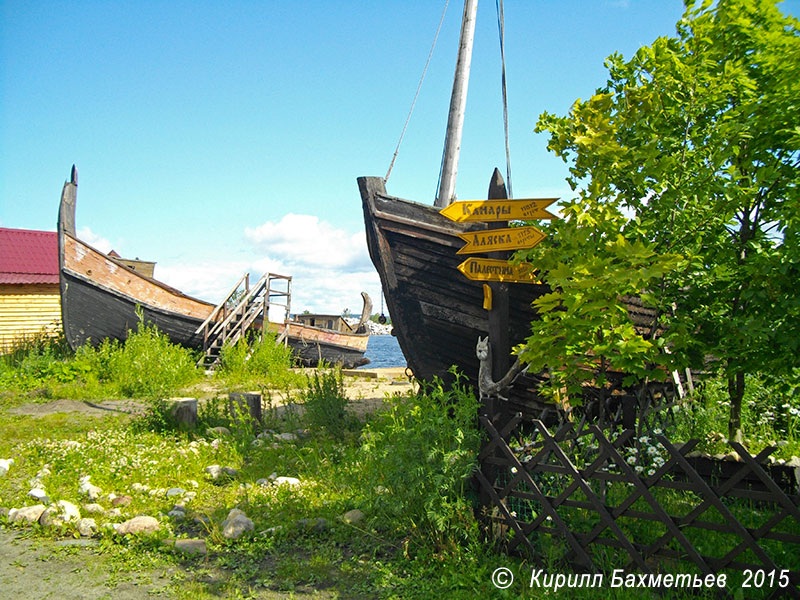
[(121, 501), (176, 491), (193, 483), (140, 487), (87, 527), (5, 465), (87, 488), (26, 514), (114, 513), (217, 431), (230, 471), (58, 514), (236, 524), (189, 496), (94, 509), (318, 524), (213, 471), (191, 546), (352, 517), (793, 462), (290, 481), (286, 437), (176, 514), (138, 525), (263, 482), (39, 494)]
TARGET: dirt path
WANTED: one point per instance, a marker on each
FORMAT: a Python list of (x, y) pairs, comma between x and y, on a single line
[(68, 569), (365, 388)]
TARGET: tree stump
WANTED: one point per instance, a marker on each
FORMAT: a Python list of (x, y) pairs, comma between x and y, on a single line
[(245, 403), (184, 411)]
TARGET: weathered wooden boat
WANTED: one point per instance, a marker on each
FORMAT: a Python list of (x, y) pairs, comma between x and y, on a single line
[(437, 313), (329, 338), (102, 298)]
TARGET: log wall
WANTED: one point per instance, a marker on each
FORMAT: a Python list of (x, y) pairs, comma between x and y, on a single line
[(27, 311)]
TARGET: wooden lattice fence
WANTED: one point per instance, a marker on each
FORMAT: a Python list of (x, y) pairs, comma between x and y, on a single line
[(633, 500)]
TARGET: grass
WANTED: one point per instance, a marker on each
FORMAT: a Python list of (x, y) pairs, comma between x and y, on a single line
[(406, 467)]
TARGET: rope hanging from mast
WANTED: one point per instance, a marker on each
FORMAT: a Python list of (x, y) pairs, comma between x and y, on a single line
[(501, 31), (419, 86)]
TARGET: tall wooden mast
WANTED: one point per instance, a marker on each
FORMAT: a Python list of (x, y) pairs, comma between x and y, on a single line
[(458, 103)]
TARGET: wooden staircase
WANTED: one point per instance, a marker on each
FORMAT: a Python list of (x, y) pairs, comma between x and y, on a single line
[(242, 309)]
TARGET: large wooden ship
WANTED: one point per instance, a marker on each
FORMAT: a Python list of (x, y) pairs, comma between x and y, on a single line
[(102, 297), (437, 313)]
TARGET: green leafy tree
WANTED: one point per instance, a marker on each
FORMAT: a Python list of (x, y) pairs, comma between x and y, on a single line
[(692, 150)]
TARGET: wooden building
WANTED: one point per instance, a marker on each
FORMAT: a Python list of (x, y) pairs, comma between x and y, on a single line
[(332, 322), (30, 302)]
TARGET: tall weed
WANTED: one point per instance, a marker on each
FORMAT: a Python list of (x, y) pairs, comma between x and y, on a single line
[(147, 365), (257, 362), (418, 458), (325, 401)]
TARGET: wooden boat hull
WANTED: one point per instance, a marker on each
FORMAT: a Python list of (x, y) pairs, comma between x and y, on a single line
[(100, 296), (96, 313), (437, 313), (311, 345)]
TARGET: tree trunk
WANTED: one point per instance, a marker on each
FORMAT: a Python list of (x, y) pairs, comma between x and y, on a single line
[(735, 395)]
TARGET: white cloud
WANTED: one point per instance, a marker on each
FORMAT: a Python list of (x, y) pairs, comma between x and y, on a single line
[(208, 280), (330, 267), (95, 241), (305, 240)]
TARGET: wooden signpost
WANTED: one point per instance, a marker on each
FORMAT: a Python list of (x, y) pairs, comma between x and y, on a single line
[(484, 211), (492, 240), (492, 269), (498, 241)]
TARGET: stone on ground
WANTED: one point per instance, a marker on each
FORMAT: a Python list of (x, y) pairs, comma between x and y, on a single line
[(236, 524), (26, 514), (58, 514), (138, 525)]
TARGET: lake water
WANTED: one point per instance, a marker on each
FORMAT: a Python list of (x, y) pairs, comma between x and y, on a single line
[(384, 351)]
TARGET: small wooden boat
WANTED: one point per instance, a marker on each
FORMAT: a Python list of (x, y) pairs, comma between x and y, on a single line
[(315, 338), (102, 298), (100, 295)]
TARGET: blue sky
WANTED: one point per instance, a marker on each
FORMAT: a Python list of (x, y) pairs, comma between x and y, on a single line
[(222, 137)]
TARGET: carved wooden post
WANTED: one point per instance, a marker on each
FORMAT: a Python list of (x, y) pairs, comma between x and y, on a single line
[(498, 315), (245, 403), (492, 407), (184, 411)]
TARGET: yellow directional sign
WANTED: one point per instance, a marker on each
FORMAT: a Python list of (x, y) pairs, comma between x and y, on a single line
[(482, 211), (492, 240), (488, 269)]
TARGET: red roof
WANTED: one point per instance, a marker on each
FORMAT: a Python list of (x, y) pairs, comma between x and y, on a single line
[(28, 256)]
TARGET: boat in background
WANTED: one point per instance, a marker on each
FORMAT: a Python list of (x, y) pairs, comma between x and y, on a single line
[(102, 297), (315, 338)]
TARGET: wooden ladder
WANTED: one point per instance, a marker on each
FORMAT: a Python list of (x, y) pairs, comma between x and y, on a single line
[(239, 312)]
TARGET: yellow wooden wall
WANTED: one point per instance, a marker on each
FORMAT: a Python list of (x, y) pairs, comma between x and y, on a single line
[(26, 311)]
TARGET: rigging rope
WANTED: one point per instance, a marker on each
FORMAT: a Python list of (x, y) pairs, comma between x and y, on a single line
[(419, 86), (501, 31)]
